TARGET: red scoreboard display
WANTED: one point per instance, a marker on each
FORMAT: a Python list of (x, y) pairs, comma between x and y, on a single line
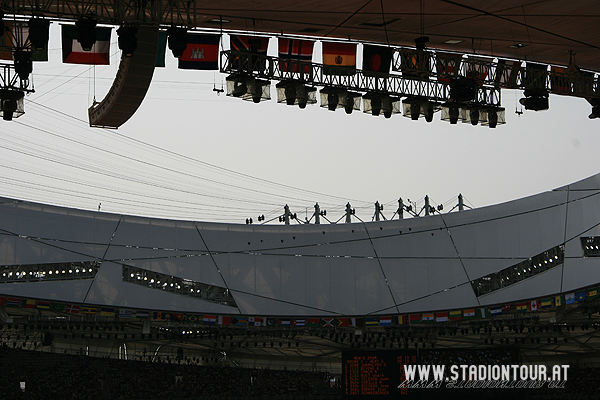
[(375, 373)]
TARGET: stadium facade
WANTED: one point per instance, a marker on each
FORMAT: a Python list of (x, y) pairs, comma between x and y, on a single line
[(534, 247)]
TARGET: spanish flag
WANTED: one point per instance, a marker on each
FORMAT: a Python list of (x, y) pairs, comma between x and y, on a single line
[(339, 58)]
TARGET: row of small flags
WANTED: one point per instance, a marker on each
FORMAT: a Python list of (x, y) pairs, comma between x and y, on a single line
[(443, 316), (202, 51)]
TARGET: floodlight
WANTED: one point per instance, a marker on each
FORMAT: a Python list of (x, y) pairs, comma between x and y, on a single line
[(177, 40), (294, 92), (127, 40), (39, 33), (86, 32)]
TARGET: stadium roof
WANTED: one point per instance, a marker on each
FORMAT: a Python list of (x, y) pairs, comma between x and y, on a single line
[(544, 31)]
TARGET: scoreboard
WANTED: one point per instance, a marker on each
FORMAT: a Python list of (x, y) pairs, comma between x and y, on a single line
[(375, 373)]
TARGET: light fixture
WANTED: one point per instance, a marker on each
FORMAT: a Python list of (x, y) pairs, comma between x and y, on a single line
[(381, 103), (334, 98), (535, 99), (294, 92), (415, 107), (86, 32), (39, 33), (450, 112), (463, 89), (453, 41), (248, 88), (23, 64), (11, 104), (127, 40), (495, 116), (177, 40)]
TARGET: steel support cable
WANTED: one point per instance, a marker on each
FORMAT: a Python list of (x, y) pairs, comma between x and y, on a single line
[(209, 165), (155, 165)]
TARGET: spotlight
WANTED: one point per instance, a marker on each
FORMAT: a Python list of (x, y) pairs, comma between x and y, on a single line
[(23, 64), (294, 92), (416, 107), (535, 99), (177, 40), (11, 104), (333, 98), (248, 88), (127, 40), (450, 112), (86, 32), (380, 103), (463, 89), (39, 33), (495, 116)]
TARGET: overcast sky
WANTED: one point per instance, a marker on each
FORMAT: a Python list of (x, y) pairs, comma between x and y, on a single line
[(191, 154)]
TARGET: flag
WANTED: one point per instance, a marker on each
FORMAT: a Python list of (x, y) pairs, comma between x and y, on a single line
[(176, 317), (202, 52), (73, 53), (271, 322), (482, 312), (2, 301), (478, 68), (239, 321), (13, 302), (546, 303), (254, 321), (328, 322), (222, 320), (455, 315), (192, 318), (427, 317), (159, 315), (559, 301), (44, 305), (534, 305), (494, 311), (506, 73), (371, 321), (89, 310), (447, 65), (209, 319), (339, 58), (385, 321), (560, 80), (592, 293), (570, 298), (73, 308), (15, 35), (28, 303), (521, 307), (313, 322), (284, 323), (507, 307), (162, 49), (376, 59), (344, 322), (469, 314), (535, 75), (142, 314), (125, 313), (254, 45), (414, 64), (414, 318), (402, 320), (58, 307), (299, 322), (441, 317), (581, 295), (299, 51), (107, 312)]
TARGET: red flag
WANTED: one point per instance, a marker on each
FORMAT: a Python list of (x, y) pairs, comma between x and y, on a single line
[(300, 51), (202, 52)]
